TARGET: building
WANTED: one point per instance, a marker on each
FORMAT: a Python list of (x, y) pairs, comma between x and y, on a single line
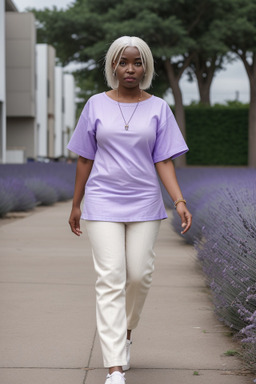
[(37, 100), (45, 64), (20, 86), (5, 5), (59, 113), (69, 110), (55, 105)]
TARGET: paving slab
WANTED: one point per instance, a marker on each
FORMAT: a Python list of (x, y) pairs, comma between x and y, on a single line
[(41, 376), (47, 324)]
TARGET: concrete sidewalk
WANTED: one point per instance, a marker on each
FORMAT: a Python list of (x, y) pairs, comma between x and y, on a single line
[(48, 331)]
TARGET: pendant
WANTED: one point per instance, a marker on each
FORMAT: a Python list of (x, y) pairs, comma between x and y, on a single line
[(126, 127)]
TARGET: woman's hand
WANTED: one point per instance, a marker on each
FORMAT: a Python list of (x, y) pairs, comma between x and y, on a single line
[(83, 170), (74, 221), (185, 215)]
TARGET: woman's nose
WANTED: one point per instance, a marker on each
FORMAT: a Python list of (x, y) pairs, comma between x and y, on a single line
[(130, 68)]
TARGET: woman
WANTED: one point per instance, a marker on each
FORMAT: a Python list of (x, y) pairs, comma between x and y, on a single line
[(122, 138)]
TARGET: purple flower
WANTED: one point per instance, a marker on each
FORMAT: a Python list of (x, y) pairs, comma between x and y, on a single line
[(222, 202), (25, 185)]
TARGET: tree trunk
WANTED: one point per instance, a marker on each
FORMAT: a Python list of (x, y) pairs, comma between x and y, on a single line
[(179, 109), (204, 75), (251, 72), (204, 91)]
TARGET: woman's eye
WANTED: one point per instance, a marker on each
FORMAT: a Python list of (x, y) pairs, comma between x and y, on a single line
[(137, 63)]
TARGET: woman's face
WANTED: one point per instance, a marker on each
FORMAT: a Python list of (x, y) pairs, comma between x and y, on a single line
[(129, 71)]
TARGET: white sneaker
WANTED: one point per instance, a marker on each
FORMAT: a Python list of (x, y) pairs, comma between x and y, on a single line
[(128, 355), (115, 378)]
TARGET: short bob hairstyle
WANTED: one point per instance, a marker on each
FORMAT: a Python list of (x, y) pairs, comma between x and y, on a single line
[(115, 52)]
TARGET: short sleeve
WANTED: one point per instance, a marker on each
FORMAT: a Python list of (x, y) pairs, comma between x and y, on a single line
[(83, 141), (169, 140)]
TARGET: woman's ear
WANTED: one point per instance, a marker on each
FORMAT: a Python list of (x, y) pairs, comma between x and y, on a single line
[(114, 69)]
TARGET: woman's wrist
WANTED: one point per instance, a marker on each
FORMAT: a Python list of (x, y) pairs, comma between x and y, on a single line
[(76, 205), (180, 200)]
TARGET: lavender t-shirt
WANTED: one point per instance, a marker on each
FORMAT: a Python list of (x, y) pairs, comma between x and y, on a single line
[(123, 184)]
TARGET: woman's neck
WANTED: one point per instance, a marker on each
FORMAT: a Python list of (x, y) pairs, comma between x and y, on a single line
[(128, 97), (128, 94)]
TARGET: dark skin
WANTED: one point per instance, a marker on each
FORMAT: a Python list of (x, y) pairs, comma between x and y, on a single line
[(129, 72)]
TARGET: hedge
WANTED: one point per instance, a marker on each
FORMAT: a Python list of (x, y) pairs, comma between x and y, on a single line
[(217, 135)]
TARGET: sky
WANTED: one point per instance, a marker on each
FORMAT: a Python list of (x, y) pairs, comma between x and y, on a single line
[(229, 84)]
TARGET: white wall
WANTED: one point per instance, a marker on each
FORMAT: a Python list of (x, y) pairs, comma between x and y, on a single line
[(69, 109), (20, 83), (2, 85), (59, 112), (51, 97), (15, 156), (42, 100)]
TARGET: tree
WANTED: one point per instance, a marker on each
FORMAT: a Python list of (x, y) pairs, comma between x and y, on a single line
[(239, 34), (210, 51), (88, 26)]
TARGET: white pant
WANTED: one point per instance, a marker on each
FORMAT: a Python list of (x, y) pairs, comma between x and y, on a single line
[(124, 262)]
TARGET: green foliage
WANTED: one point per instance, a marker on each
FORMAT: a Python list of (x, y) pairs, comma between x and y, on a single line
[(232, 104), (84, 31), (217, 135), (228, 104), (238, 30), (231, 353)]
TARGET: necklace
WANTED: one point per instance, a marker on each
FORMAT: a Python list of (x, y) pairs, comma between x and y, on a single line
[(126, 123)]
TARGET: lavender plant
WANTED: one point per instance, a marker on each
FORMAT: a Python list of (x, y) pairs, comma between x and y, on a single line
[(22, 198), (44, 193), (23, 186), (6, 200), (222, 202)]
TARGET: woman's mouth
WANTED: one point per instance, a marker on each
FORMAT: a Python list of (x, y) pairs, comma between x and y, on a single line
[(129, 79)]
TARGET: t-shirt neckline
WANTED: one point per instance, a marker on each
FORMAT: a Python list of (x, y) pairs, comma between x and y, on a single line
[(127, 104)]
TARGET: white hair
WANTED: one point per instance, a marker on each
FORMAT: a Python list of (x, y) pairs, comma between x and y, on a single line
[(115, 51)]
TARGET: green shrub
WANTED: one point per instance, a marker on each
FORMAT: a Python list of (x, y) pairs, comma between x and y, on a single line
[(217, 135)]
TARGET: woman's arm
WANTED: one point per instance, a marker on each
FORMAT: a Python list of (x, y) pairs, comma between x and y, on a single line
[(167, 174), (83, 170)]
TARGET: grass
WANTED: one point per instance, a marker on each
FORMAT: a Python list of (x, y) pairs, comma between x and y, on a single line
[(231, 352)]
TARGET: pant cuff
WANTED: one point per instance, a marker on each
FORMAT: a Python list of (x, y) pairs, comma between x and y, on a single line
[(116, 363)]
